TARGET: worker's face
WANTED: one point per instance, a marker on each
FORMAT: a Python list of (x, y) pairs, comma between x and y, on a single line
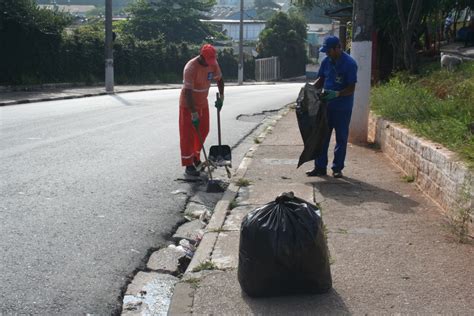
[(334, 53), (202, 61)]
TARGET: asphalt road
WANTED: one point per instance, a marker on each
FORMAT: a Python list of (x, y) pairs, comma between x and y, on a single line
[(86, 191)]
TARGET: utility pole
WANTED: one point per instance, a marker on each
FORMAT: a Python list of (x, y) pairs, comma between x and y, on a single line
[(361, 51), (109, 55), (241, 44)]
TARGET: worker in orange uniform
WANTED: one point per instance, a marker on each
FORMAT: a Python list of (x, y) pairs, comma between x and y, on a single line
[(193, 106)]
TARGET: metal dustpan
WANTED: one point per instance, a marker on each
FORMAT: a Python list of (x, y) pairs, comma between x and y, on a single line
[(213, 185), (220, 155)]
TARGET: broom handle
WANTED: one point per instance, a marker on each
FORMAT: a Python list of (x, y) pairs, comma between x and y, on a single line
[(218, 121), (204, 151)]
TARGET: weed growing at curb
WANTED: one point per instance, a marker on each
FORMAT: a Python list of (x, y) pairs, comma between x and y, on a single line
[(374, 146), (459, 222), (257, 140), (242, 182), (233, 204), (206, 265), (342, 231), (193, 282), (409, 178)]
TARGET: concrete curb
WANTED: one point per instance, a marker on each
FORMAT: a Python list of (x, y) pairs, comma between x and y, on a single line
[(94, 94), (183, 295), (220, 211), (77, 96)]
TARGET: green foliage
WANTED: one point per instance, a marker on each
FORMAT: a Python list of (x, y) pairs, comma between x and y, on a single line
[(242, 182), (409, 178), (436, 104), (172, 20), (35, 48), (284, 36), (30, 38), (206, 265)]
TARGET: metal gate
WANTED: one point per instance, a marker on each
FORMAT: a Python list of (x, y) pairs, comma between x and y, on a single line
[(267, 69)]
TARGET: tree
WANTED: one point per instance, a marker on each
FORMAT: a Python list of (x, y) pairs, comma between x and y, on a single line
[(284, 36), (29, 39), (409, 22), (172, 20)]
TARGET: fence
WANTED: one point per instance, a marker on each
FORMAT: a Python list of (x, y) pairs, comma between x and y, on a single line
[(267, 69)]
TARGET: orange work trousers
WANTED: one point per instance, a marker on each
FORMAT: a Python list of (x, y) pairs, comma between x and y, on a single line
[(189, 140)]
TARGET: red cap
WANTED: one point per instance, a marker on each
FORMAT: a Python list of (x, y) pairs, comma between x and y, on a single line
[(209, 53)]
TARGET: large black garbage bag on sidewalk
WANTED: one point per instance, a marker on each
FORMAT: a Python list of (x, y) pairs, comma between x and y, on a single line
[(283, 249), (311, 113)]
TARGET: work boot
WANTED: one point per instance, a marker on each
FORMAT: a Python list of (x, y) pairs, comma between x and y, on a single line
[(191, 171), (316, 172), (199, 165), (337, 174)]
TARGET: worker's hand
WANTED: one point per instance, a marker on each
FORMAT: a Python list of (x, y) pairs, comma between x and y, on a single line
[(329, 95), (219, 102), (195, 119)]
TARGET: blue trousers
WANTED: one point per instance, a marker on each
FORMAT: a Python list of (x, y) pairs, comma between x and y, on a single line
[(338, 120)]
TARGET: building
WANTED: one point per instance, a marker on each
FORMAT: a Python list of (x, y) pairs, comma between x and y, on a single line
[(231, 28), (75, 10), (235, 3)]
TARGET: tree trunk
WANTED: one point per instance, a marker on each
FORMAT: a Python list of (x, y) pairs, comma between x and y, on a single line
[(468, 14), (409, 25)]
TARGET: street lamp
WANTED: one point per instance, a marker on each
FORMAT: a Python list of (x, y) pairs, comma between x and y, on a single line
[(241, 44), (109, 55)]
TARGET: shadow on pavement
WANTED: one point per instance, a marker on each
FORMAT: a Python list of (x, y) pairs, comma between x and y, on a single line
[(352, 192), (121, 100), (323, 304)]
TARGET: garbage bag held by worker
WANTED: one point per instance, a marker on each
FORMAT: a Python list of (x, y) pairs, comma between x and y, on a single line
[(283, 249), (311, 113)]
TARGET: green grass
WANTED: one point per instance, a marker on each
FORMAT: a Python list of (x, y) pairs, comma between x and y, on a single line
[(193, 282), (206, 265), (233, 204), (436, 104), (409, 178), (242, 182)]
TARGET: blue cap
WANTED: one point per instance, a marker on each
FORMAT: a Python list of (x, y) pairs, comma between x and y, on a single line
[(329, 42)]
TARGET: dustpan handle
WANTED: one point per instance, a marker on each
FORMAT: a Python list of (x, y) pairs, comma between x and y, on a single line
[(218, 121)]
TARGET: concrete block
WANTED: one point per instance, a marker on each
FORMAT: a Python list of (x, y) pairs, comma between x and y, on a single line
[(165, 260), (190, 231), (182, 300), (203, 253), (234, 219), (149, 294), (195, 210), (225, 254), (219, 215)]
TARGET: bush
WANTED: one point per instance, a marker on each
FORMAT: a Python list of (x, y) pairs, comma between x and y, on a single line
[(285, 36), (437, 105)]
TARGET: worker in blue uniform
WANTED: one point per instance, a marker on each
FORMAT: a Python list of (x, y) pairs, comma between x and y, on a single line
[(338, 76)]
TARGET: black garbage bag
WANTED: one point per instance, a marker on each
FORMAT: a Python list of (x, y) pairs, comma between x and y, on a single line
[(311, 113), (283, 249)]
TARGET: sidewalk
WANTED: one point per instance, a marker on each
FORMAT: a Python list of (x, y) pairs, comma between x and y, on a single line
[(391, 252)]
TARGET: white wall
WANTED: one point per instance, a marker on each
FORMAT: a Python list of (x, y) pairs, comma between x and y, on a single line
[(251, 31)]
